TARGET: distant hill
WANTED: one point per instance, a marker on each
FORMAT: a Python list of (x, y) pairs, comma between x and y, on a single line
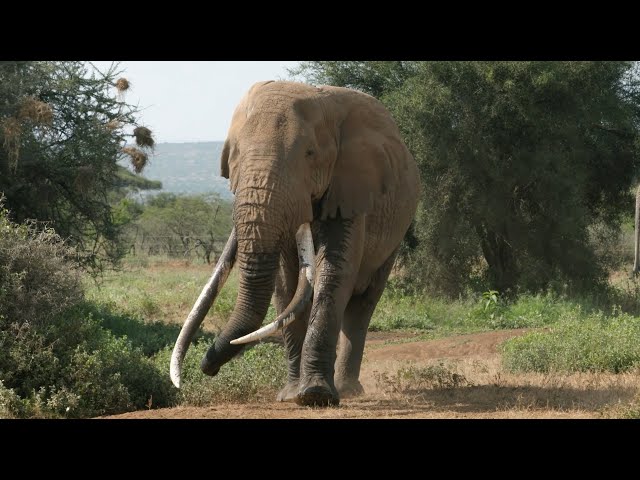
[(190, 168)]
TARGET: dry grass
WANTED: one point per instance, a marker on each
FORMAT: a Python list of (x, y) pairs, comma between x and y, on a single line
[(490, 392), (481, 389)]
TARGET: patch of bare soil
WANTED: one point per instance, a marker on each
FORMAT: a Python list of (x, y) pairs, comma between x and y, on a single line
[(486, 392)]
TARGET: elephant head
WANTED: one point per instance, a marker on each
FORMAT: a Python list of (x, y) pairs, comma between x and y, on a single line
[(293, 154)]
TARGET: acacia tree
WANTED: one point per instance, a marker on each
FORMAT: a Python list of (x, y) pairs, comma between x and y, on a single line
[(62, 130), (519, 161)]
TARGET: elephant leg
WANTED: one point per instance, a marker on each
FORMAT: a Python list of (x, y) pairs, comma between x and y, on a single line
[(294, 333), (340, 245), (354, 331)]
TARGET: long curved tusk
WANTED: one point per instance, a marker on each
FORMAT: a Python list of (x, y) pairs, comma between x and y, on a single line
[(202, 306), (304, 290)]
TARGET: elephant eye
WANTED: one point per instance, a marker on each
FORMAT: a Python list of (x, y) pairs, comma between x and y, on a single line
[(309, 152)]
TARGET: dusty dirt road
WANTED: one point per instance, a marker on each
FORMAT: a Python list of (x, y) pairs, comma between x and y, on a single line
[(482, 389)]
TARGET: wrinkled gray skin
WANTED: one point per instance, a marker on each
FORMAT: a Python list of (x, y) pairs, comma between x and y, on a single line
[(333, 157), (636, 261)]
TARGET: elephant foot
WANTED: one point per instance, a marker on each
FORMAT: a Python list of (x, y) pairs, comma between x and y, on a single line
[(349, 388), (317, 393), (288, 393)]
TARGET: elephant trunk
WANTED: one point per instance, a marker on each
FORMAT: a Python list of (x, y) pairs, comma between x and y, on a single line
[(257, 279), (306, 260), (262, 220)]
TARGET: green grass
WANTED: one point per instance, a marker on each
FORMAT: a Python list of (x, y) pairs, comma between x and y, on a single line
[(162, 291), (577, 343), (256, 375), (396, 311)]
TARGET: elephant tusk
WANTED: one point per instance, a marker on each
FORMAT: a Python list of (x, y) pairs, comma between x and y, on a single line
[(202, 306), (304, 290)]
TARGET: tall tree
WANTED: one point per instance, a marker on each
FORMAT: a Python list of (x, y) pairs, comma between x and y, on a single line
[(519, 161), (63, 128)]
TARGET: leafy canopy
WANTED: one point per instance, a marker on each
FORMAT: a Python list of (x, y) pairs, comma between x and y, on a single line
[(62, 130), (521, 163)]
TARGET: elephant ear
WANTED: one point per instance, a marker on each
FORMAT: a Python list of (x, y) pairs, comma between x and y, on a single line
[(369, 153), (224, 159), (225, 171)]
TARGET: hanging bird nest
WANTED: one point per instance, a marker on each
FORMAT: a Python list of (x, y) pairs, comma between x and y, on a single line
[(143, 137), (11, 131), (122, 84), (138, 158), (35, 110), (112, 125)]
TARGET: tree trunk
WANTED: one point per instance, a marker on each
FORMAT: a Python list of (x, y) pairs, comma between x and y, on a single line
[(499, 256), (636, 261)]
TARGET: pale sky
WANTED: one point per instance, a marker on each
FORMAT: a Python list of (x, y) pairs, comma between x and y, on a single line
[(192, 101)]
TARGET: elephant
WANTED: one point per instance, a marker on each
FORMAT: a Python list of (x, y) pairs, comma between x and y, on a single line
[(325, 190)]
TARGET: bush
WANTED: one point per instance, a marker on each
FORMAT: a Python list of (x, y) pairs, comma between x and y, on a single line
[(56, 360), (596, 343), (37, 280), (10, 404), (150, 336), (256, 375)]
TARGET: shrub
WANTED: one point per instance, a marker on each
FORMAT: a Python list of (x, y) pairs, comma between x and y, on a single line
[(10, 404), (55, 358), (150, 336), (592, 343), (37, 280)]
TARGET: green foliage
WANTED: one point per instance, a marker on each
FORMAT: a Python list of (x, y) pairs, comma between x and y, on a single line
[(149, 336), (62, 130), (37, 277), (375, 78), (126, 179), (578, 343), (56, 360), (258, 374), (519, 160), (10, 403), (490, 300)]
